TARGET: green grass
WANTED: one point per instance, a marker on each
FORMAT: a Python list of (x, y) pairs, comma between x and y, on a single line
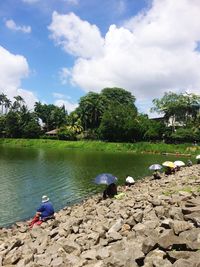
[(140, 147)]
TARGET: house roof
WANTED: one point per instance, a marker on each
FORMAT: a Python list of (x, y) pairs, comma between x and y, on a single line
[(54, 131)]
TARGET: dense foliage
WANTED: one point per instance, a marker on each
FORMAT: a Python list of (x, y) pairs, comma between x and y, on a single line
[(110, 115)]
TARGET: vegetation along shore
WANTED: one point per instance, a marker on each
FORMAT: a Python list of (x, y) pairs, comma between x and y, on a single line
[(156, 223), (139, 147)]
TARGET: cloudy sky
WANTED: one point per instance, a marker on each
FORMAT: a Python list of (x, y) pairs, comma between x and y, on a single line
[(55, 51)]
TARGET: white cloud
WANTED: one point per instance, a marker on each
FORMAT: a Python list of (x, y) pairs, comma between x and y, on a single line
[(68, 105), (13, 68), (10, 24), (61, 99), (76, 36), (151, 53)]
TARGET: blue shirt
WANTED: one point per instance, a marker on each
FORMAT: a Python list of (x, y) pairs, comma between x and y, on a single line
[(46, 209)]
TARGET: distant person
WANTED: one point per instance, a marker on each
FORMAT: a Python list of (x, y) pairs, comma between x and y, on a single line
[(189, 163), (110, 191), (44, 212), (177, 168), (129, 181), (168, 171), (156, 174)]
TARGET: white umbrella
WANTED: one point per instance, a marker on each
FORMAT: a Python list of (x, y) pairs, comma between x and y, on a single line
[(198, 157), (155, 167), (179, 163)]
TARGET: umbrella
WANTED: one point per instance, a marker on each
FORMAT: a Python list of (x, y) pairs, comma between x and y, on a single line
[(179, 163), (198, 157), (105, 178), (155, 167), (169, 164)]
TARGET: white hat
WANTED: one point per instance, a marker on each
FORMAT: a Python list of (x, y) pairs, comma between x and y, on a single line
[(45, 199)]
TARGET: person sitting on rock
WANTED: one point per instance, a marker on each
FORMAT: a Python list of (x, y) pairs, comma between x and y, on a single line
[(177, 168), (168, 171), (129, 181), (44, 212), (110, 191), (156, 174)]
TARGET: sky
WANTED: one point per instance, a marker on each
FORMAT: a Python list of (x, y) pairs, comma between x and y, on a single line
[(56, 51)]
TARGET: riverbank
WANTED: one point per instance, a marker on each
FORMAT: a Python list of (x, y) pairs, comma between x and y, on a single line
[(140, 147), (155, 224)]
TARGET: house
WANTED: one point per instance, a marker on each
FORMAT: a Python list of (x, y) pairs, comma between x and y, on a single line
[(53, 132)]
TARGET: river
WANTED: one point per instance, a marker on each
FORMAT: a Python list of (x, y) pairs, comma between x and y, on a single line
[(65, 175)]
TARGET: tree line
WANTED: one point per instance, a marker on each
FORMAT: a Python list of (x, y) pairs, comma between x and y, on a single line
[(110, 115)]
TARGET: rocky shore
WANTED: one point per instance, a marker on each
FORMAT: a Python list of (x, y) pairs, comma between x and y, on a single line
[(156, 224)]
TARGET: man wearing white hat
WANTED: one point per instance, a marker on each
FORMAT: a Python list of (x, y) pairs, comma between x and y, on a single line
[(46, 209), (44, 212)]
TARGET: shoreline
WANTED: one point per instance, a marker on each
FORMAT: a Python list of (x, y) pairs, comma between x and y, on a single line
[(139, 147), (156, 223)]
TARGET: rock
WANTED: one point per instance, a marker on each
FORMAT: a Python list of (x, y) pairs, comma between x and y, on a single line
[(180, 226), (113, 236), (194, 217), (145, 228), (57, 262), (89, 255), (117, 226), (188, 210), (185, 263), (148, 244), (71, 247)]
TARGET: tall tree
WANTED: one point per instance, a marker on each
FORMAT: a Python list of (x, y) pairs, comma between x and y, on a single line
[(3, 99), (182, 108), (90, 110), (118, 96)]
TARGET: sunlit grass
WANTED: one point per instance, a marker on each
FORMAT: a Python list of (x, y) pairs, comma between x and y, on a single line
[(140, 147)]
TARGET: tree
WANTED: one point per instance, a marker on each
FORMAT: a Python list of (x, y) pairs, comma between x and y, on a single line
[(13, 126), (17, 105), (31, 129), (90, 110), (2, 126), (118, 96), (7, 104), (3, 99), (119, 124), (51, 115), (182, 108)]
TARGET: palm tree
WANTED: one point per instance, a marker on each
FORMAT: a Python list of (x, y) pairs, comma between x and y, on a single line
[(7, 105), (18, 102), (3, 98)]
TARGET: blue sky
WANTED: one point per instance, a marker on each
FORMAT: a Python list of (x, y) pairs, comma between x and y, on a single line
[(55, 51)]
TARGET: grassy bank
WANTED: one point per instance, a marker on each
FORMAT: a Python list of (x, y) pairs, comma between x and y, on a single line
[(140, 147)]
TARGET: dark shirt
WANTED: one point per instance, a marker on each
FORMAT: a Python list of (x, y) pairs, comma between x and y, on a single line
[(46, 209), (110, 191)]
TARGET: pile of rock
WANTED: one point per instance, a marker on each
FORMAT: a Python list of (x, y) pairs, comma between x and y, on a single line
[(156, 224)]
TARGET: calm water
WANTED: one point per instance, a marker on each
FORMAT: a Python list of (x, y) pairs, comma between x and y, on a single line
[(64, 175)]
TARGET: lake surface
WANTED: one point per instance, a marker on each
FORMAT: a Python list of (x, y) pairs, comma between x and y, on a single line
[(65, 175)]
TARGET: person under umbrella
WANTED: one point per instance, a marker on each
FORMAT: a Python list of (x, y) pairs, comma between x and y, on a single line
[(110, 181), (110, 191), (156, 173), (179, 164)]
